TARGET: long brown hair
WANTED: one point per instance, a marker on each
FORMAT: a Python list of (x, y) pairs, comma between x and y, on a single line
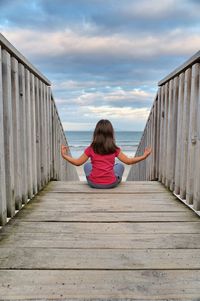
[(103, 138)]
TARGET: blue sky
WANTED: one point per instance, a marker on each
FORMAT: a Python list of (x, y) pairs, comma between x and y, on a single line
[(104, 58)]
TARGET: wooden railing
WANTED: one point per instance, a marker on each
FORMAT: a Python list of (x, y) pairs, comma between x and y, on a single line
[(31, 133), (173, 131)]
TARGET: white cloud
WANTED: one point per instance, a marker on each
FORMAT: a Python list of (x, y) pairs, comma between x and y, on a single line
[(77, 126), (120, 113), (112, 97), (70, 43)]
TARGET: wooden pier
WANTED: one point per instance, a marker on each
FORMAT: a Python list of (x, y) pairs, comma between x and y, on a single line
[(67, 241), (136, 242)]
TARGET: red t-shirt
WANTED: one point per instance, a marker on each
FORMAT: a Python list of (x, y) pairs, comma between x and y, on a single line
[(102, 166)]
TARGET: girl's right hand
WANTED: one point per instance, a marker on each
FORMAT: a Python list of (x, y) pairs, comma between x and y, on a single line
[(64, 149), (147, 151)]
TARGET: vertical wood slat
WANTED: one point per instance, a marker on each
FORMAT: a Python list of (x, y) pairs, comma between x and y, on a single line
[(42, 148), (166, 101), (38, 134), (192, 139), (196, 200), (16, 133), (161, 135), (34, 137), (186, 106), (29, 138), (169, 134), (3, 205), (45, 133), (23, 137), (8, 138), (179, 141), (172, 161)]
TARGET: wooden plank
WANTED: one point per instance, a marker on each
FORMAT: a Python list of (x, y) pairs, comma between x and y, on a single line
[(16, 133), (3, 205), (38, 133), (169, 134), (179, 141), (42, 144), (44, 141), (173, 135), (123, 228), (186, 110), (165, 128), (192, 159), (161, 150), (124, 187), (33, 132), (75, 203), (8, 130), (105, 241), (138, 285), (196, 201), (98, 259), (23, 157), (29, 139), (65, 215)]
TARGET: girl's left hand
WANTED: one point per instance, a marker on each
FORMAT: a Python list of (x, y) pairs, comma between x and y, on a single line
[(147, 151), (64, 149)]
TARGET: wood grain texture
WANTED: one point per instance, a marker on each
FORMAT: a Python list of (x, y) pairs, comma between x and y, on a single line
[(136, 242)]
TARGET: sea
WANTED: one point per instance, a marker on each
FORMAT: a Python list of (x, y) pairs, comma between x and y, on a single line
[(127, 140)]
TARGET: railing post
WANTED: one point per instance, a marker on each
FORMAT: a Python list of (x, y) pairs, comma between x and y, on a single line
[(196, 201), (166, 102), (8, 137), (16, 132), (179, 138), (186, 114), (3, 205), (192, 138), (23, 136)]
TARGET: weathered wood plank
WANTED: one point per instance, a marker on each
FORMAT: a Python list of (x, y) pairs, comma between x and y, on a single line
[(33, 132), (3, 205), (99, 259), (124, 187), (179, 141), (29, 138), (138, 285), (8, 128), (105, 241), (184, 153), (65, 215), (110, 228), (192, 139), (23, 136), (107, 206)]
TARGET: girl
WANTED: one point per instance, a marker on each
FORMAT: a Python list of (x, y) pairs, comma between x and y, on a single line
[(102, 172)]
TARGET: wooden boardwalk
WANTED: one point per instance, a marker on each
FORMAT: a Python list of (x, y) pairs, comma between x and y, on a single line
[(70, 241)]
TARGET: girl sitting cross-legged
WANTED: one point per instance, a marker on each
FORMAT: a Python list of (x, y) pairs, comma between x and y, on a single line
[(102, 171)]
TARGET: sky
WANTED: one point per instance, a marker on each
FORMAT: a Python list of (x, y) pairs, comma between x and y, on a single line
[(103, 58)]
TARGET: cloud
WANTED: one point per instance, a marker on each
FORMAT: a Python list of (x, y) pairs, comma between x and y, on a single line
[(70, 44), (118, 113), (103, 59)]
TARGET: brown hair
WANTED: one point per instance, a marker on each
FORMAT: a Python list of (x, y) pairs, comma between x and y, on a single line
[(103, 138)]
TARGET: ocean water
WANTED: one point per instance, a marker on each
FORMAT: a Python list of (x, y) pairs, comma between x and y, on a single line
[(78, 140)]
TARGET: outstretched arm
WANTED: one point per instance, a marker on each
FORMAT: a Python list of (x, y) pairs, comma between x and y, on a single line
[(122, 157), (75, 161)]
